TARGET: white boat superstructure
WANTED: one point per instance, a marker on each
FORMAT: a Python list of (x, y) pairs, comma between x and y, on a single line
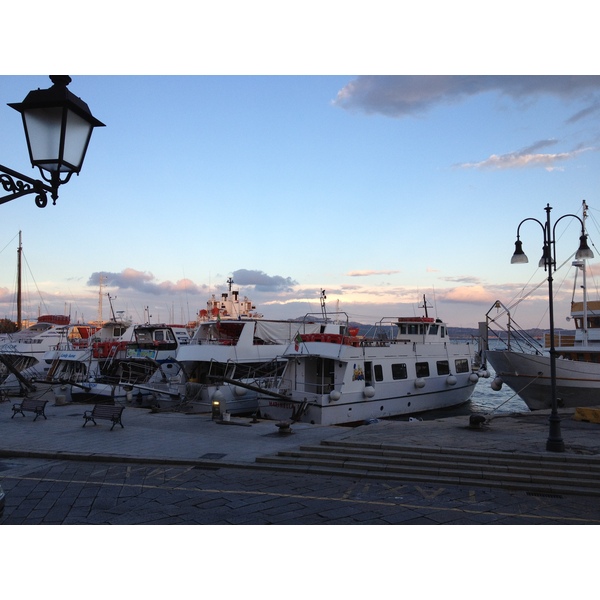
[(227, 361), (407, 367)]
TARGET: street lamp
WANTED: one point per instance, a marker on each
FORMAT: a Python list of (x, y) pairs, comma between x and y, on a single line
[(548, 261), (58, 127)]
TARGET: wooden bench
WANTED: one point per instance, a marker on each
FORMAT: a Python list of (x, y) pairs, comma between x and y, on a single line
[(109, 412), (34, 405)]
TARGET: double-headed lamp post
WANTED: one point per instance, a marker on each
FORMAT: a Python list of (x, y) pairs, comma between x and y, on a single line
[(58, 127), (548, 261)]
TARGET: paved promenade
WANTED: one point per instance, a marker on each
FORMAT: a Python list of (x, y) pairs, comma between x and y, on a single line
[(172, 437), (174, 468)]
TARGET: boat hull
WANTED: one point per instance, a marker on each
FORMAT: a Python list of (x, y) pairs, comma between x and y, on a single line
[(355, 408), (528, 375)]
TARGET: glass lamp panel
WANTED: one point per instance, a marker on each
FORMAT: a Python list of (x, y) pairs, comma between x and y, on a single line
[(43, 126), (77, 137)]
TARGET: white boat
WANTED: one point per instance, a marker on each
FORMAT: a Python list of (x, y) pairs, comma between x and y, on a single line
[(524, 365), (149, 358), (233, 353), (80, 359), (407, 367), (22, 353)]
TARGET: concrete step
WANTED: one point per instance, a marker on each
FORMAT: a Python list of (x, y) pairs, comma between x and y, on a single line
[(533, 473), (513, 468)]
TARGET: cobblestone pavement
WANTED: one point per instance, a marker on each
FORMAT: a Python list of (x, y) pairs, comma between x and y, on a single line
[(41, 491)]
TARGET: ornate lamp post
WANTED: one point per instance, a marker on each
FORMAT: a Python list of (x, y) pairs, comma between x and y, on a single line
[(58, 127), (548, 261)]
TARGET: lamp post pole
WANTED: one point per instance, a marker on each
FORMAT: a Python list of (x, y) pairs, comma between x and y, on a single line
[(555, 442)]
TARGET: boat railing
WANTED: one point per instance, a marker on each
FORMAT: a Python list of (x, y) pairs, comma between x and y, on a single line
[(512, 336)]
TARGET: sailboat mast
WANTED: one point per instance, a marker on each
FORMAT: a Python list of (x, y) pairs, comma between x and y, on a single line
[(19, 283)]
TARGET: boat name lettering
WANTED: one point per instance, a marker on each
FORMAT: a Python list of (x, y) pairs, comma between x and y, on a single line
[(280, 404)]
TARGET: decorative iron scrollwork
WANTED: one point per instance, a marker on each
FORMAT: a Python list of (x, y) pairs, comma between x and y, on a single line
[(18, 185)]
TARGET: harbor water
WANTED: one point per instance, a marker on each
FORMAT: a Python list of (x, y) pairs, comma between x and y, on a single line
[(484, 401)]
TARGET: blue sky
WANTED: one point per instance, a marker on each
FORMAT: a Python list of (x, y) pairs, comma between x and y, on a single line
[(245, 143), (376, 189)]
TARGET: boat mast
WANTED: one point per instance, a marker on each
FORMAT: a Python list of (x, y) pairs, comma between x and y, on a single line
[(100, 301), (425, 306), (19, 313), (112, 310)]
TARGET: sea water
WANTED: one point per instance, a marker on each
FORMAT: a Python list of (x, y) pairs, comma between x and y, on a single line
[(484, 401)]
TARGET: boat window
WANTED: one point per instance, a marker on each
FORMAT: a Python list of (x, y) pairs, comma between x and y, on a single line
[(378, 372), (461, 365), (119, 331), (399, 371), (443, 368), (159, 336), (442, 331), (368, 373), (143, 336), (422, 369), (411, 329), (433, 329)]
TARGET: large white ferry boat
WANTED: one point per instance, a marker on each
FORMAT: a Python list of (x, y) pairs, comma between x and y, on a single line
[(407, 367)]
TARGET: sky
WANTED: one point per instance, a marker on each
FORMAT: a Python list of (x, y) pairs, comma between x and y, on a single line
[(379, 190)]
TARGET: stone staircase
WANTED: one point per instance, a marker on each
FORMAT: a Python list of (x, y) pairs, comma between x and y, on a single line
[(555, 474)]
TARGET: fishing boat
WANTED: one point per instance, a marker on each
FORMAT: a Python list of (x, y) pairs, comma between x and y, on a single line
[(78, 360), (22, 353), (147, 361), (234, 353), (407, 366), (523, 363)]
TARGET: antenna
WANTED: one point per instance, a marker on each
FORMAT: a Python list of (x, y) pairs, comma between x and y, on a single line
[(323, 309)]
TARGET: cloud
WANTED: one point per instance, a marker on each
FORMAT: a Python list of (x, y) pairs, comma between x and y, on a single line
[(463, 279), (472, 293), (525, 158), (402, 96), (263, 282), (142, 282), (367, 273)]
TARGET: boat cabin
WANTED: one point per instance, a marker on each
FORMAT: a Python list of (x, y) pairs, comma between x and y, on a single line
[(422, 328)]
